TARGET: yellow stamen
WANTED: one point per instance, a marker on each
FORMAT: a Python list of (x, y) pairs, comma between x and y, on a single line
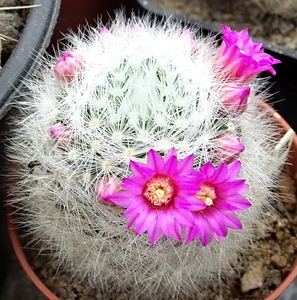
[(207, 194), (159, 190)]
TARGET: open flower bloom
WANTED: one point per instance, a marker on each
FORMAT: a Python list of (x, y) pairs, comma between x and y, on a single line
[(235, 98), (241, 57), (68, 65), (229, 147), (220, 195), (156, 195)]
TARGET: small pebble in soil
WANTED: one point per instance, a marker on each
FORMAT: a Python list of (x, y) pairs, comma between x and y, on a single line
[(279, 261), (252, 279)]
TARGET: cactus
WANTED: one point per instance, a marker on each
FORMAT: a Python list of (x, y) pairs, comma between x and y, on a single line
[(141, 156)]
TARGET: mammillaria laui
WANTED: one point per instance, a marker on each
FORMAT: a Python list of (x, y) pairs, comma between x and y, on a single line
[(152, 153)]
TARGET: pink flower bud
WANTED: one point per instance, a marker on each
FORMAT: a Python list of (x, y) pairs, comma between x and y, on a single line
[(106, 187), (60, 134), (68, 65), (187, 40), (136, 30), (228, 147), (235, 98), (105, 32)]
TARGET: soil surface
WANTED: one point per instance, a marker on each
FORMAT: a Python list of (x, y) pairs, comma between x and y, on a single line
[(271, 20)]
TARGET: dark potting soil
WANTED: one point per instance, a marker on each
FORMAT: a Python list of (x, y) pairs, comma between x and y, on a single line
[(12, 23)]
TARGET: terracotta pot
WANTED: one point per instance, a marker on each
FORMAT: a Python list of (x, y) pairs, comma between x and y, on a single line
[(49, 295)]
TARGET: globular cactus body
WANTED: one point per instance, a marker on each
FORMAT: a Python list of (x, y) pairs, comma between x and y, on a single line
[(157, 102)]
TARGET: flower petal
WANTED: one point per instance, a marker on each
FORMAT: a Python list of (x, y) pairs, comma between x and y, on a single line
[(171, 152), (134, 184), (155, 161), (155, 233), (166, 220), (170, 167), (185, 166), (233, 170), (183, 216), (233, 203), (205, 232), (217, 222), (231, 219), (144, 221), (122, 198)]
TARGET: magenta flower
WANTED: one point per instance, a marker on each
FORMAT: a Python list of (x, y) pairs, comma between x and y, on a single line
[(68, 65), (220, 195), (60, 134), (235, 98), (104, 188), (241, 57), (229, 147), (156, 195)]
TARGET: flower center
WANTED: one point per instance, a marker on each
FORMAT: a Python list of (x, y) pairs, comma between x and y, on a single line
[(159, 191), (207, 194)]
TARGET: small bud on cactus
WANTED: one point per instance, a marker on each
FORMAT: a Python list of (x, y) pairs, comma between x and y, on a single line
[(68, 65), (60, 134), (149, 138), (104, 188), (234, 98), (229, 147)]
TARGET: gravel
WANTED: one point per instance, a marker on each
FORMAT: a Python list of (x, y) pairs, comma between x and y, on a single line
[(271, 20)]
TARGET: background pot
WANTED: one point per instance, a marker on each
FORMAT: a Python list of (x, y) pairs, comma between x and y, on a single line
[(50, 295), (76, 13), (31, 45), (284, 85)]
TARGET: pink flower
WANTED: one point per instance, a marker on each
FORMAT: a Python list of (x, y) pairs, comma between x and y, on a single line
[(241, 57), (156, 195), (106, 187), (228, 147), (69, 65), (235, 98), (220, 195), (60, 134)]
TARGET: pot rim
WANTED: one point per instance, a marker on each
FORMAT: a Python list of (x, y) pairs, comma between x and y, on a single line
[(146, 5), (51, 296), (28, 50)]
